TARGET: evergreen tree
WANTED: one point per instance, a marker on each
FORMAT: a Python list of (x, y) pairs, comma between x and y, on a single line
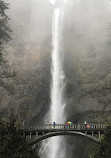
[(4, 29), (5, 71)]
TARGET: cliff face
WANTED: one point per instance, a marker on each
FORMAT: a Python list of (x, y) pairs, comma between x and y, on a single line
[(86, 37)]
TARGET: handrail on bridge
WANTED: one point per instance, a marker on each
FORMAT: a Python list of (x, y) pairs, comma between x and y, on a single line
[(65, 127)]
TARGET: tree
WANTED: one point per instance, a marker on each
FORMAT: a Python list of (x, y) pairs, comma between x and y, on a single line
[(4, 29), (5, 72), (12, 143)]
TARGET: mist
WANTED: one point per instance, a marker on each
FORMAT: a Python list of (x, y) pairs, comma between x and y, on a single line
[(86, 37), (85, 40), (84, 26), (84, 23)]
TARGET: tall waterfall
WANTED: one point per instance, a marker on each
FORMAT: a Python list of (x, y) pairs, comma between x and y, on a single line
[(55, 147), (57, 87)]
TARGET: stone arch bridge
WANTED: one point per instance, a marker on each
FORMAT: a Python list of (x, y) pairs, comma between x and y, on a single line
[(35, 134)]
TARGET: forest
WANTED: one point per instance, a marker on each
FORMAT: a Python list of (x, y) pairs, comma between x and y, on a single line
[(25, 73)]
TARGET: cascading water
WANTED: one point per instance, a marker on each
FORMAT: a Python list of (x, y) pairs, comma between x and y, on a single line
[(57, 87), (55, 147)]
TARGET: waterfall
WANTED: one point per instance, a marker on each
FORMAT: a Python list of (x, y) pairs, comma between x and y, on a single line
[(57, 87), (55, 147)]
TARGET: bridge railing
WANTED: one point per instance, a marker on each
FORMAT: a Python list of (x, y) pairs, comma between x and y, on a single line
[(66, 127)]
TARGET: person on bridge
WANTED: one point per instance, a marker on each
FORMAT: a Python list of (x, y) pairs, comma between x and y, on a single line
[(85, 123), (54, 124)]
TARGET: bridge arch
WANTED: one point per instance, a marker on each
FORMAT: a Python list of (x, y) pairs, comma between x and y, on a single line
[(59, 133)]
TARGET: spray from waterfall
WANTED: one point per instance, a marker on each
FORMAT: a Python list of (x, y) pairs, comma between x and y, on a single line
[(55, 147)]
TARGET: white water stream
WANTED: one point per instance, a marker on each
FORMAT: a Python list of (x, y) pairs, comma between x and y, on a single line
[(55, 147), (57, 87)]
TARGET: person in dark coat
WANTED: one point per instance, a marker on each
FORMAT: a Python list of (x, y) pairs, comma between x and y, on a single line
[(54, 124)]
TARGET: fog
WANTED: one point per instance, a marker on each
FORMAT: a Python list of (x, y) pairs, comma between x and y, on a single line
[(84, 22), (86, 36), (86, 31)]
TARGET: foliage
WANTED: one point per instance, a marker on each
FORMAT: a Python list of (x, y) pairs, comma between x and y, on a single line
[(103, 150), (4, 29), (5, 70), (12, 143)]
